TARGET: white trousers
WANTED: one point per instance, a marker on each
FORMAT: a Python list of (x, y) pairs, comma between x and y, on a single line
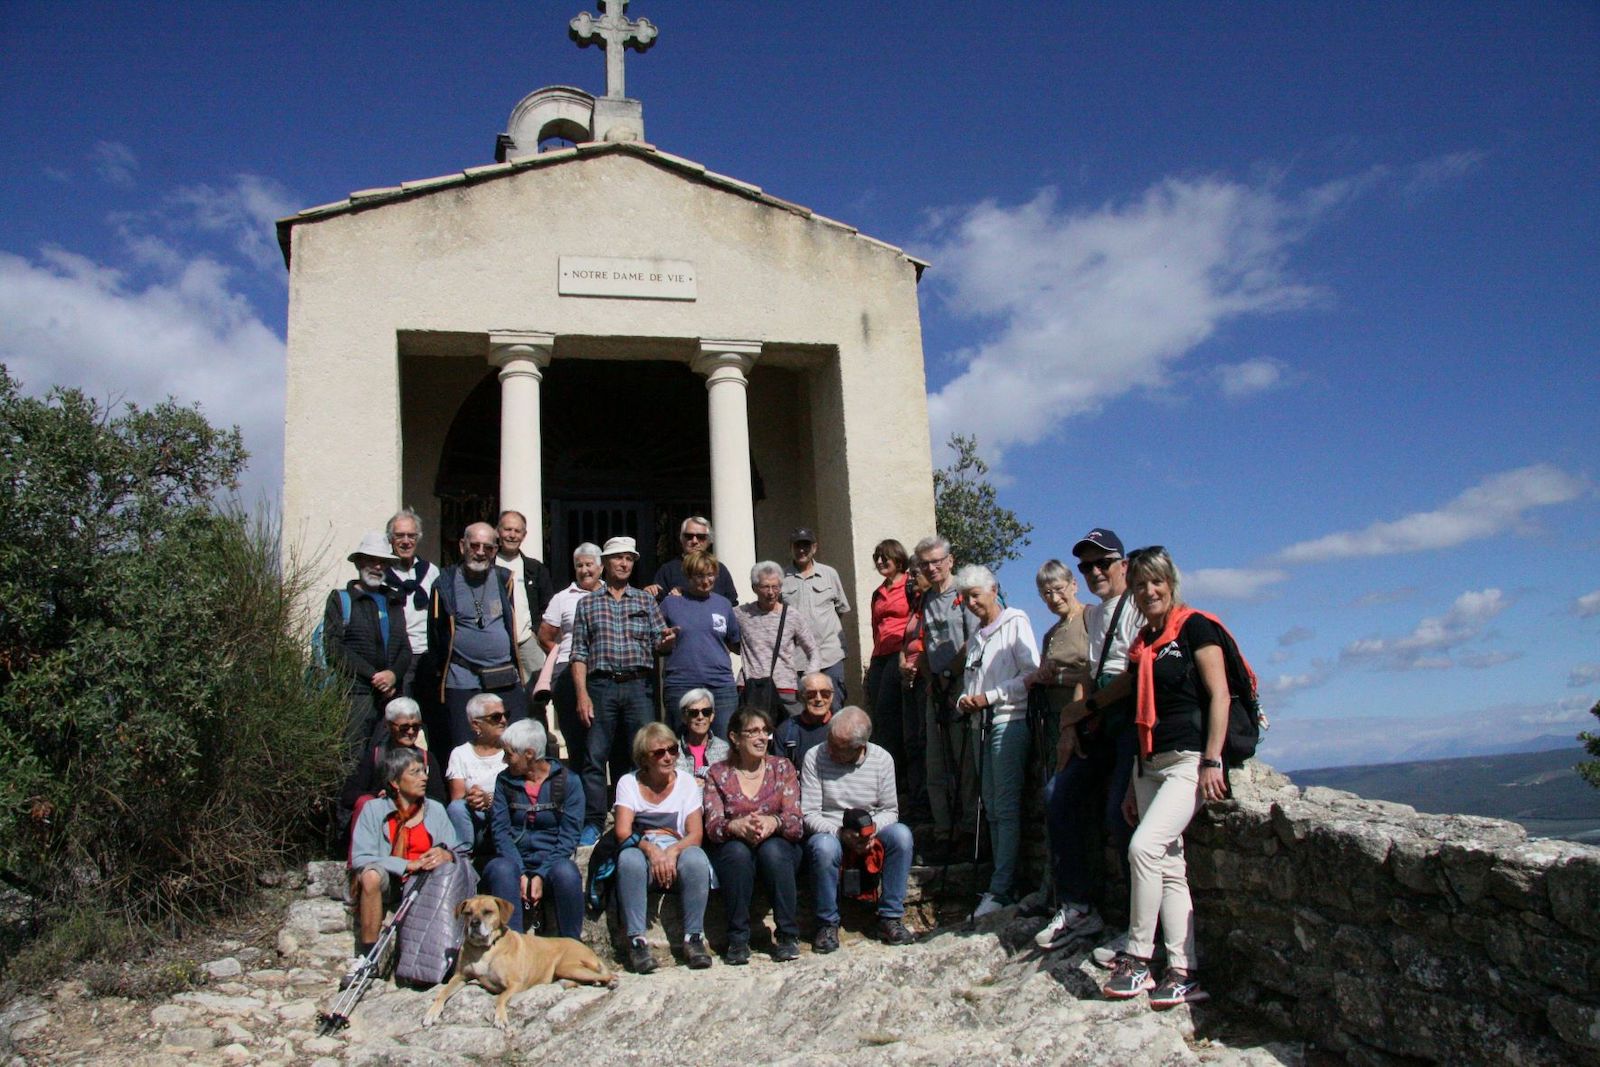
[(1168, 793)]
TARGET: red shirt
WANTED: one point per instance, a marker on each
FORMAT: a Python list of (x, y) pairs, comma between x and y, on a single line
[(889, 616), (418, 840)]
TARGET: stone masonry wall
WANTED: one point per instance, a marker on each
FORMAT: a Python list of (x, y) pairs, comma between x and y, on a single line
[(1392, 936)]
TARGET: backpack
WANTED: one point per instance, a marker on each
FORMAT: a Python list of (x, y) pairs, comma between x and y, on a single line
[(519, 813), (319, 650), (430, 936), (1244, 707)]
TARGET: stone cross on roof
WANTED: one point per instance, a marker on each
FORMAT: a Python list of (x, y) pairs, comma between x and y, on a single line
[(614, 32)]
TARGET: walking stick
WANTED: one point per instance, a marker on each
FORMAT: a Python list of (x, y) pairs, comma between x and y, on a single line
[(365, 970)]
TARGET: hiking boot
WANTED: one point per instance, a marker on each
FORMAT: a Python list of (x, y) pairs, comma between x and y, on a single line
[(696, 956), (1069, 924), (589, 837), (892, 931), (988, 904), (1178, 987), (826, 939), (1130, 976), (787, 950), (1107, 954), (737, 954), (640, 958)]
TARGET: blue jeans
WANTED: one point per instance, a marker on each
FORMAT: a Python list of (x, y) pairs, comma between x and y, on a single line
[(777, 860), (623, 707), (562, 884), (724, 698), (1088, 786), (472, 827), (1003, 764), (693, 884), (825, 854)]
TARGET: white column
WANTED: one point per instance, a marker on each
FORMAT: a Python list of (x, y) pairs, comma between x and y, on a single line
[(522, 358), (733, 513)]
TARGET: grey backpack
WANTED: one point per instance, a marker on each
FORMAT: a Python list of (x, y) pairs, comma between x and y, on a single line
[(430, 937)]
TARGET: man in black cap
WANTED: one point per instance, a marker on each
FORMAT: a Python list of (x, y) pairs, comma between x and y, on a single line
[(815, 590), (1096, 755)]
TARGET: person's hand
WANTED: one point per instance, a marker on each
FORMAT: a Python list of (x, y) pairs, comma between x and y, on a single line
[(653, 590), (669, 639), (1212, 785), (969, 704), (663, 868), (585, 708), (1068, 746), (478, 800), (532, 888), (1130, 807), (383, 682), (674, 591)]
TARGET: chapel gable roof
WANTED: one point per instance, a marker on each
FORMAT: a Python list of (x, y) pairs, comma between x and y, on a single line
[(366, 199)]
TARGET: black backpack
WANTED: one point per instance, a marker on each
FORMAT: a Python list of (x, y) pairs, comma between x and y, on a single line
[(1244, 707)]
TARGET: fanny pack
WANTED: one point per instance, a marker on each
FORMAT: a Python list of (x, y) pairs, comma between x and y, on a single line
[(500, 676)]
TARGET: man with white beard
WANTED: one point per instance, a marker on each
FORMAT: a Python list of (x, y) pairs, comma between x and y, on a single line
[(364, 639), (472, 630)]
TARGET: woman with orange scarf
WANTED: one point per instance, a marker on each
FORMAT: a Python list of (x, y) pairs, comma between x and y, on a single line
[(1181, 682)]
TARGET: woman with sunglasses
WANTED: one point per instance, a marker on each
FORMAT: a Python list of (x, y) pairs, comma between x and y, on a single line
[(753, 825), (658, 826), (699, 747), (1182, 698), (473, 768), (403, 719), (885, 691)]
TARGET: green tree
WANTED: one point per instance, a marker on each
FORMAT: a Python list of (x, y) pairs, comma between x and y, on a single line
[(968, 510), (161, 739), (1590, 769)]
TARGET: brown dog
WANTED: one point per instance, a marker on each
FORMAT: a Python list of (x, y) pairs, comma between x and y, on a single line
[(505, 962)]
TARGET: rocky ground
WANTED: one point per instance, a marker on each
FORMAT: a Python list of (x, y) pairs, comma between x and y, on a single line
[(960, 995)]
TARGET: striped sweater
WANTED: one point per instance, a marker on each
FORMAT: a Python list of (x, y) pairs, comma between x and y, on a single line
[(829, 788)]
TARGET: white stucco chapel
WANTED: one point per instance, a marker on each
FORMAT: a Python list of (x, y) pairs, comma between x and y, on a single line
[(608, 338)]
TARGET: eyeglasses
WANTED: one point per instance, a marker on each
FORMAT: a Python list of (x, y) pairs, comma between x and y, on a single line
[(696, 536), (755, 732), (1089, 566), (813, 694), (879, 557), (402, 537), (407, 727), (698, 713), (657, 753), (940, 562), (475, 546), (497, 718)]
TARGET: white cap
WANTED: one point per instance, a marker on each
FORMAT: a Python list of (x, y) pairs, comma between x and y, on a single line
[(620, 546), (375, 544)]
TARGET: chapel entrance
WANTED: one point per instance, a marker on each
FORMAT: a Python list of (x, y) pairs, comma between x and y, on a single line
[(626, 452)]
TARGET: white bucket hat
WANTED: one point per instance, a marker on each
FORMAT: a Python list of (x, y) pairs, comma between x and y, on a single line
[(376, 545), (620, 546)]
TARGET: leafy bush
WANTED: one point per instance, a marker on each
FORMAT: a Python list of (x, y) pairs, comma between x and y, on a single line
[(968, 512), (161, 740)]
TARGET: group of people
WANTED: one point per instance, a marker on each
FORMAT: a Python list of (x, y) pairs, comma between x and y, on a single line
[(768, 775)]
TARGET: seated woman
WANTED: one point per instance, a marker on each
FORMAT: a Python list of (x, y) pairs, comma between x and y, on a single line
[(994, 696), (752, 823), (472, 771), (707, 632), (701, 748), (399, 833), (403, 718), (658, 809), (536, 820), (1181, 681)]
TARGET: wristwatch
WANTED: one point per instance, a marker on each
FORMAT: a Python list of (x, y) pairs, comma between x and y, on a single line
[(1216, 763)]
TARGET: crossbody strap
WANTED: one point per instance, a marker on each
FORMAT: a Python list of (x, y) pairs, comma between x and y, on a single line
[(777, 646), (1105, 646)]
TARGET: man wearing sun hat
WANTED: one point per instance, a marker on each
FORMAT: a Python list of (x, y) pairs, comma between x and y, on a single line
[(364, 640), (616, 632)]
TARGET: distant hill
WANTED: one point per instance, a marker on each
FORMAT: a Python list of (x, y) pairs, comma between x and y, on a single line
[(1540, 790)]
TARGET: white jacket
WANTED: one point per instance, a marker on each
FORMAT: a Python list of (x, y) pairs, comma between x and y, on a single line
[(999, 659)]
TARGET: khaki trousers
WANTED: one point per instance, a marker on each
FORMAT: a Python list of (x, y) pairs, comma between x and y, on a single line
[(1168, 793)]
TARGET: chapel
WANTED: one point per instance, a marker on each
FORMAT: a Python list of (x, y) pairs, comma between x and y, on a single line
[(609, 338)]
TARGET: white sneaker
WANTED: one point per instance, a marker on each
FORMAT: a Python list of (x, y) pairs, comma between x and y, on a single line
[(1069, 924), (988, 904), (1106, 954)]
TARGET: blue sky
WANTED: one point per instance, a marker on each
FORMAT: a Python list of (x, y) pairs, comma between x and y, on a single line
[(1304, 292)]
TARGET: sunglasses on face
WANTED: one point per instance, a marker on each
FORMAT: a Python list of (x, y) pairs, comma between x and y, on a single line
[(496, 718), (473, 546), (696, 537), (670, 750), (1090, 566), (407, 727), (818, 694), (698, 713)]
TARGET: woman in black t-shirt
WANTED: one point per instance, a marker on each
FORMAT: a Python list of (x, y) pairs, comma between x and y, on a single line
[(1182, 720)]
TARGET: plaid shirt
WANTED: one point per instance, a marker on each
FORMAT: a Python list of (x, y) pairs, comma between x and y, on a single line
[(612, 634)]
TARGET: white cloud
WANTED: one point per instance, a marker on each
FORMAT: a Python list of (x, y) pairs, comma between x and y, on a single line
[(1483, 660), (1091, 303), (1229, 583), (66, 320), (115, 162), (1428, 647), (1588, 605), (1250, 377), (244, 212), (1277, 689), (1294, 635), (1584, 674), (1432, 174), (1493, 506)]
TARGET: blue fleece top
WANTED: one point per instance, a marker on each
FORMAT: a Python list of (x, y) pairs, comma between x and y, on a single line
[(544, 837), (708, 631)]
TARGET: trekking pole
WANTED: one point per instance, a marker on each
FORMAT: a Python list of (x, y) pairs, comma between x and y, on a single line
[(365, 971), (985, 727)]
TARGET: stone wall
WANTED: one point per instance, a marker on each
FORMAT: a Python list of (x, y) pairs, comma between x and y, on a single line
[(1386, 935)]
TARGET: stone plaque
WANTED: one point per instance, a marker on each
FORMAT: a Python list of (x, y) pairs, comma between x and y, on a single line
[(641, 279)]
